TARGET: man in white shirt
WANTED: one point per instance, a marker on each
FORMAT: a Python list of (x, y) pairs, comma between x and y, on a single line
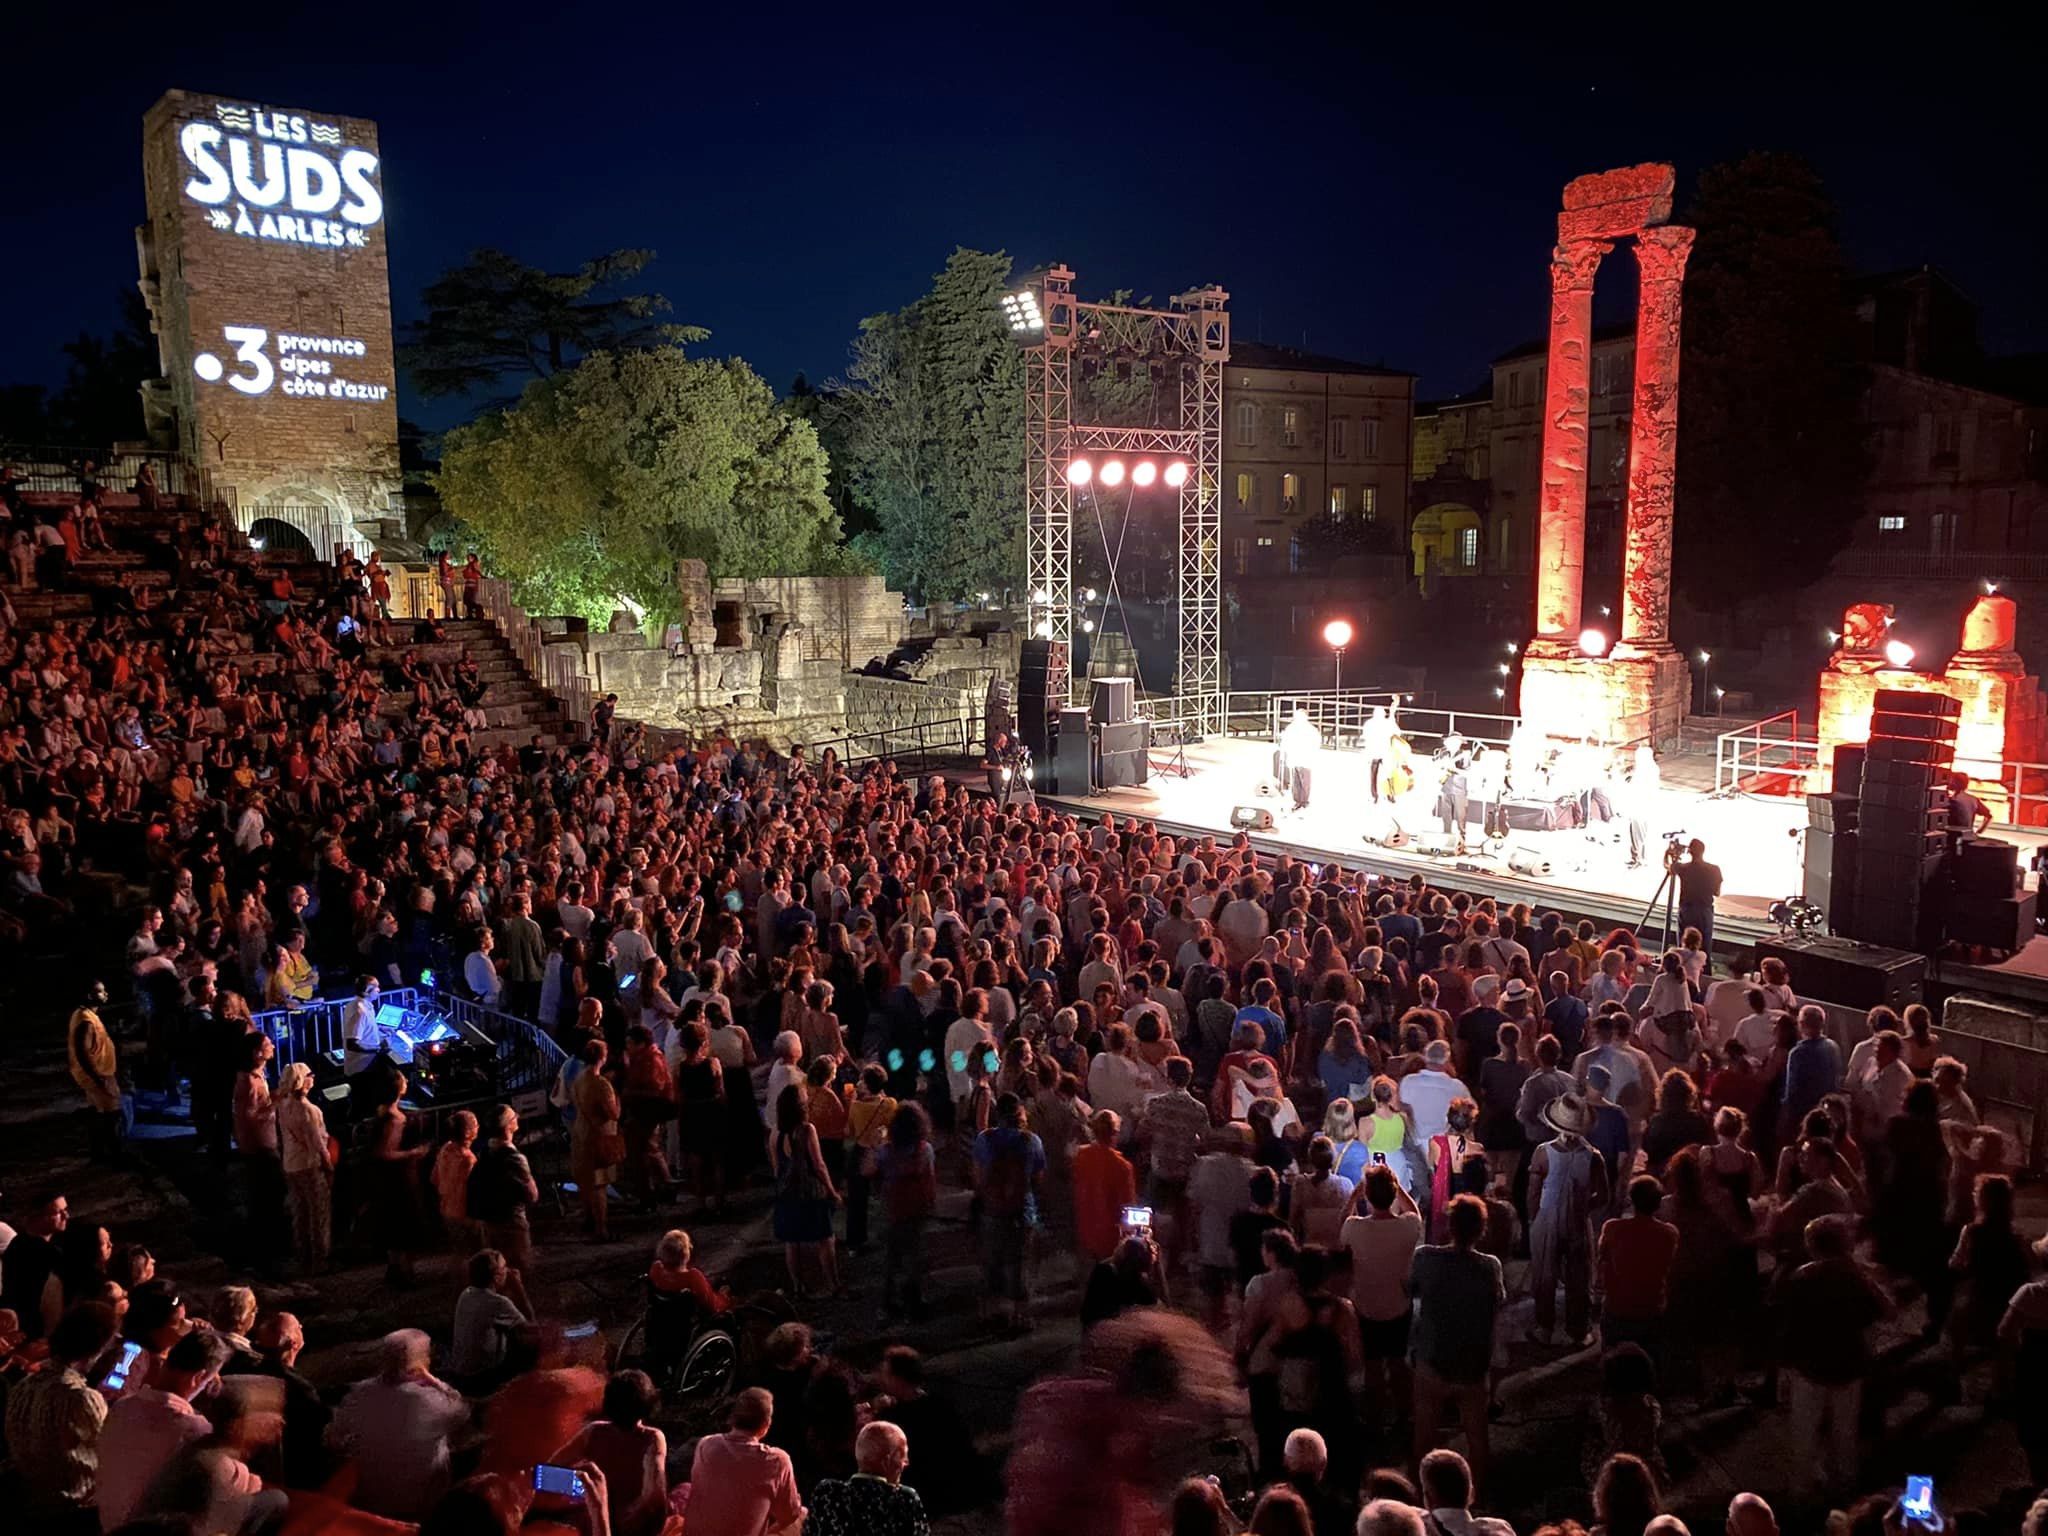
[(631, 947), (1447, 1498), (1427, 1094), (395, 1427), (150, 1425), (1758, 1030), (574, 917), (1877, 1080)]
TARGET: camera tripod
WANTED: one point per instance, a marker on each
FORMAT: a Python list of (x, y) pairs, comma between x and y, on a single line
[(1667, 896)]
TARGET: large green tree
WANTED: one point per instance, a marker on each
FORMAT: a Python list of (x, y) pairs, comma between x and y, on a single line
[(932, 413), (590, 489), (494, 323), (1770, 452)]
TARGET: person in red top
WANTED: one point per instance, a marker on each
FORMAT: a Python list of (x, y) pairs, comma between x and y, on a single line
[(1245, 1042), (1635, 1256), (672, 1273), (1739, 1084), (1104, 1183)]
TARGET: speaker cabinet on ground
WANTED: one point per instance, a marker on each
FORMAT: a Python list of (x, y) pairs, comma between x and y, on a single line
[(1073, 757), (1850, 974), (1986, 867), (1123, 754), (1114, 700)]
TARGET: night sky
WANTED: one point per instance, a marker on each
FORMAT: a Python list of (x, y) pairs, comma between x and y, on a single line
[(1381, 187)]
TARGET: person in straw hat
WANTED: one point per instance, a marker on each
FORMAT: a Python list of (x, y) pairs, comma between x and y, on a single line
[(1567, 1184)]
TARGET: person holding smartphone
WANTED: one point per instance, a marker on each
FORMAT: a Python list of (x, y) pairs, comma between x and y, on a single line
[(54, 1417)]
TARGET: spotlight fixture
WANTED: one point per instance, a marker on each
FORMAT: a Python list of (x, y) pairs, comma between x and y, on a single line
[(1090, 595), (1144, 472), (1898, 653), (1337, 634), (1021, 312), (1112, 474), (1079, 471), (1593, 642), (1087, 626), (1177, 473)]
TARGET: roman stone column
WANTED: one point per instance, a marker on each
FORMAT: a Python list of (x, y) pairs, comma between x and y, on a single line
[(1561, 513), (1653, 438)]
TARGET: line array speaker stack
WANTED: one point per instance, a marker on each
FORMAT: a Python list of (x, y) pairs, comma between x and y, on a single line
[(1902, 820), (1041, 693), (1831, 847)]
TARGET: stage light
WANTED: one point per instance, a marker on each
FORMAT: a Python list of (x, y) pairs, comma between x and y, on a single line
[(1505, 669), (1112, 472), (981, 597), (1592, 641), (1040, 595), (1990, 587), (1606, 612), (1090, 595), (1514, 649), (1021, 311), (1898, 653), (1079, 471), (1043, 629), (1087, 626), (1500, 693), (1834, 636), (1337, 633), (1144, 472), (1177, 474)]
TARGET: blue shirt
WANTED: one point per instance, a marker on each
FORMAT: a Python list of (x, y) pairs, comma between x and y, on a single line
[(1610, 1138), (1269, 1021), (1567, 1019), (1813, 1070)]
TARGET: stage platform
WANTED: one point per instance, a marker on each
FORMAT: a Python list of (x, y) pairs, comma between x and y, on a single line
[(1755, 839)]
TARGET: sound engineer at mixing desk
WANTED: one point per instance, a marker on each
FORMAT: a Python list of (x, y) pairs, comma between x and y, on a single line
[(1967, 817), (362, 1035)]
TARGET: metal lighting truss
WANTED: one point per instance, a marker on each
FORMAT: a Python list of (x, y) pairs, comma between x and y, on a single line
[(1195, 330)]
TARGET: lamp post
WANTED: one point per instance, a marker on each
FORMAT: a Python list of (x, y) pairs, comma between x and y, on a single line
[(1337, 635)]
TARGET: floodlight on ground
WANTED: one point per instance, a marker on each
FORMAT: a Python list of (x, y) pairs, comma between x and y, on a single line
[(1898, 653), (1593, 642), (1079, 471), (1177, 473), (1112, 473), (1144, 472)]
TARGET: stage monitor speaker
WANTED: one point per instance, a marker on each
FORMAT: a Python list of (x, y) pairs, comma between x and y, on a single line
[(1986, 867), (1114, 700), (1849, 769), (1073, 754), (1528, 861), (1436, 844), (1845, 972), (1251, 818)]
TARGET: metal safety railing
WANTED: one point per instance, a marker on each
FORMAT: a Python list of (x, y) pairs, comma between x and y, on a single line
[(524, 1055), (556, 668), (55, 469), (1771, 749), (918, 744), (325, 529)]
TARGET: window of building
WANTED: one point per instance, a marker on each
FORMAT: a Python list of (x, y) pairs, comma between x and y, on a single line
[(1948, 437), (1265, 541), (1290, 427), (1247, 423), (1247, 487), (1369, 501), (1339, 502), (1468, 547), (1241, 555), (1290, 492), (1338, 434), (1370, 446), (1891, 522)]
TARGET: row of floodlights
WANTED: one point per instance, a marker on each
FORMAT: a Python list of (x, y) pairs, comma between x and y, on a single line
[(1111, 472), (1022, 312)]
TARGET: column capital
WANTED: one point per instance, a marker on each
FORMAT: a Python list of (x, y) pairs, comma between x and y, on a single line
[(1662, 251), (1574, 263)]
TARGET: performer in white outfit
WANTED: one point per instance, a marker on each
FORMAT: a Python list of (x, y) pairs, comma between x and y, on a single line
[(1295, 758)]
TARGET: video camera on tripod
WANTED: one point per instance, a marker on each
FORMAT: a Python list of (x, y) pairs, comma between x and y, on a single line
[(1674, 847)]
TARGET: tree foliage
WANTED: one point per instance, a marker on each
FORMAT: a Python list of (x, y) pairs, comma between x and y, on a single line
[(590, 489), (1770, 453), (100, 401), (932, 413), (494, 322)]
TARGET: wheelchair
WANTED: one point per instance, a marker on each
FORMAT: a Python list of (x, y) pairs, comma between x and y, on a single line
[(693, 1355)]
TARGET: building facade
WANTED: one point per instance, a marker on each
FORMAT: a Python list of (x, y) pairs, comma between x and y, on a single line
[(264, 265), (1307, 438)]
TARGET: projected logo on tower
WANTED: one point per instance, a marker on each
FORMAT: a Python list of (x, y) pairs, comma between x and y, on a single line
[(310, 367), (279, 176)]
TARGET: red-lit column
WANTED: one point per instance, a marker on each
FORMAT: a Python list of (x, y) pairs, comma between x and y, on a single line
[(1653, 438), (1561, 513)]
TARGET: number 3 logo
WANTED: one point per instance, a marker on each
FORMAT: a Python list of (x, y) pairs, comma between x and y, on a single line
[(249, 342)]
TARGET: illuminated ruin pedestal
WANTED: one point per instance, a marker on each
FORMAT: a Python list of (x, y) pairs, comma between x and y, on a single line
[(1630, 695)]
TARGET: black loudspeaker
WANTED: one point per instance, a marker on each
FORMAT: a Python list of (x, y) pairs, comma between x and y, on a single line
[(2003, 923), (1830, 876), (1849, 770), (1113, 701), (1041, 693), (1074, 754), (1251, 818), (1906, 701), (1847, 973), (1831, 813), (1986, 867), (1123, 754)]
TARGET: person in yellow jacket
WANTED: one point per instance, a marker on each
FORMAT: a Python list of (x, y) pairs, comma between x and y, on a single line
[(95, 1067)]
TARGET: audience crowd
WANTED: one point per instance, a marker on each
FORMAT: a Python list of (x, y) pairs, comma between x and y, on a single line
[(1303, 1141)]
